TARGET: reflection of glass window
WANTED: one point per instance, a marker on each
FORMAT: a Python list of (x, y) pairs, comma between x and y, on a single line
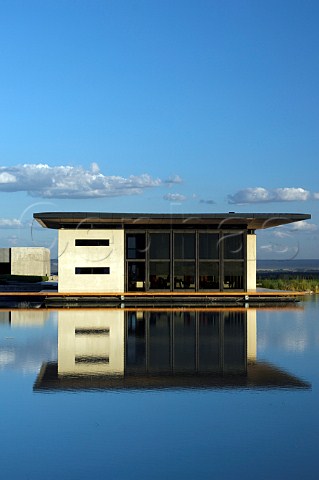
[(208, 246), (234, 275), (233, 246), (159, 275), (159, 246), (209, 347), (135, 246), (159, 342), (135, 357), (235, 346), (185, 342), (209, 275), (184, 246)]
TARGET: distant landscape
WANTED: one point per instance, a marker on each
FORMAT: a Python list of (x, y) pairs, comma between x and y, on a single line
[(291, 265), (296, 275)]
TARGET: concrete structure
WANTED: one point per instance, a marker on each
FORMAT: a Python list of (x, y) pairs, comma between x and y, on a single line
[(96, 251), (25, 261), (105, 252)]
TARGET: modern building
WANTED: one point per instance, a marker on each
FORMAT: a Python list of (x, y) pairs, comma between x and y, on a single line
[(127, 252), (25, 261)]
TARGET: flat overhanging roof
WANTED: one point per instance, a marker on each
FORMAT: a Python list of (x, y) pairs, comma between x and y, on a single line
[(251, 221)]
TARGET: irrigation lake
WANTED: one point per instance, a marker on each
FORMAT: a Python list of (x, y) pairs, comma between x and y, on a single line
[(160, 394)]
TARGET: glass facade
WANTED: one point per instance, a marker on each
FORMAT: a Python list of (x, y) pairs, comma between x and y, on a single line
[(159, 261), (178, 260), (209, 275)]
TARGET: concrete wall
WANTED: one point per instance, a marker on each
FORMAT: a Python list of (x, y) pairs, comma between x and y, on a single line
[(71, 256), (30, 261), (251, 262), (82, 349), (4, 255), (5, 266)]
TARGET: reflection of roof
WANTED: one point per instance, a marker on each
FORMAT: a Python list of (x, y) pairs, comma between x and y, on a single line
[(259, 375), (119, 220)]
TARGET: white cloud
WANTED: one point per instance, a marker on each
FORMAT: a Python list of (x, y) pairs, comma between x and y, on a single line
[(303, 226), (6, 177), (95, 168), (10, 223), (284, 231), (6, 357), (174, 197), (263, 195), (291, 194), (316, 195), (173, 180), (281, 233), (279, 249), (208, 202), (13, 241), (40, 180), (266, 248)]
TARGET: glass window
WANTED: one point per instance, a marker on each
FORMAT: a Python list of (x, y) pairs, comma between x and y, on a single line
[(98, 242), (159, 246), (160, 276), (184, 275), (135, 246), (234, 275), (184, 246), (208, 275), (136, 276), (208, 246), (233, 246), (92, 270)]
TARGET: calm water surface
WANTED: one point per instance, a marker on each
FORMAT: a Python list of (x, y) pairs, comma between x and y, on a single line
[(120, 394)]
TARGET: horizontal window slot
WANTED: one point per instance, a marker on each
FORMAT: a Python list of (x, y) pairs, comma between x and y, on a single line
[(91, 359), (92, 270), (92, 331), (98, 242)]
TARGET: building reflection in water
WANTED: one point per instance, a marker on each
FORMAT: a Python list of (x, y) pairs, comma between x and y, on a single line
[(24, 317), (118, 349), (91, 342), (189, 342)]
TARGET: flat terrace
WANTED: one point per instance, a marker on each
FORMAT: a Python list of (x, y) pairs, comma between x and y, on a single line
[(127, 299)]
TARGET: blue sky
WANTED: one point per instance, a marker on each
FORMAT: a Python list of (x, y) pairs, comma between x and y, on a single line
[(160, 106)]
